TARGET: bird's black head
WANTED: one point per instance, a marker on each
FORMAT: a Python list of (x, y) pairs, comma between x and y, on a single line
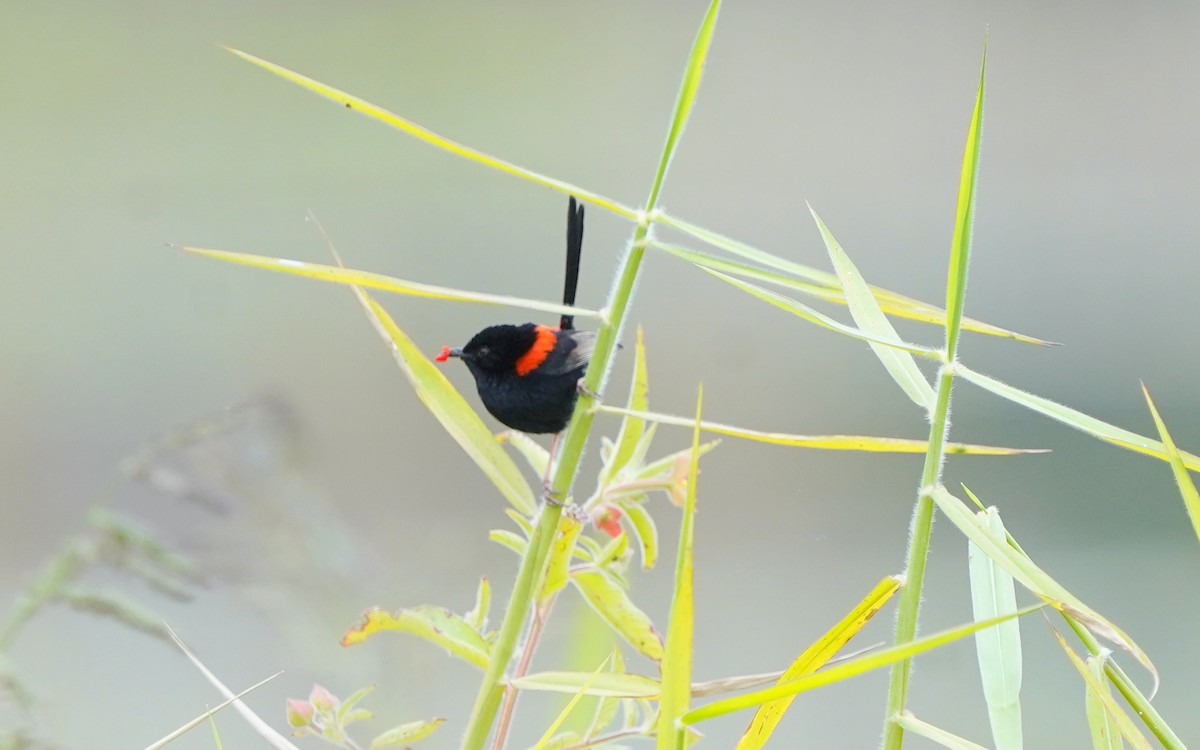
[(495, 350)]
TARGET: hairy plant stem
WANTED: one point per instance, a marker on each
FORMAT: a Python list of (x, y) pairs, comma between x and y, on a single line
[(918, 549), (533, 563)]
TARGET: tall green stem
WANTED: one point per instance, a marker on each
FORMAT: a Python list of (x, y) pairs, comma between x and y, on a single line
[(918, 550)]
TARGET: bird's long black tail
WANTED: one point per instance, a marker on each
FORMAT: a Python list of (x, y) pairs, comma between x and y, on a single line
[(574, 250)]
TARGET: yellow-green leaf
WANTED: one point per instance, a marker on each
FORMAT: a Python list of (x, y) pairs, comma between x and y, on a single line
[(556, 575), (1126, 726), (767, 718), (608, 684), (631, 426), (964, 221), (870, 319), (843, 670), (645, 531), (1187, 488), (614, 606), (435, 624), (823, 442), (349, 101), (912, 724), (1105, 733), (367, 279), (1074, 418), (406, 733), (452, 410)]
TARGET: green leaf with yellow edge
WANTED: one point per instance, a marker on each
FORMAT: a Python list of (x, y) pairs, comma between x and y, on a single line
[(677, 660), (435, 624), (506, 538), (843, 670), (1074, 418), (1105, 733), (824, 284), (998, 649), (804, 311), (557, 575), (824, 442), (608, 684), (644, 529), (1023, 569), (406, 733), (350, 101), (869, 318), (631, 426), (367, 279), (614, 606), (1187, 488), (567, 709), (924, 729), (452, 410), (767, 718), (1099, 689)]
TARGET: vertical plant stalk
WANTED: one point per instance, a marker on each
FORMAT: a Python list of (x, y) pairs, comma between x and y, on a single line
[(491, 690), (922, 521), (510, 693)]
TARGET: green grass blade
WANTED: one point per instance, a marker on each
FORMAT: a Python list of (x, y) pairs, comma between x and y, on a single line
[(349, 101), (1187, 488), (206, 716), (567, 709), (686, 98), (1023, 569), (845, 670), (349, 276), (998, 649), (964, 220), (677, 657), (632, 426), (811, 315), (911, 723), (1075, 418), (870, 319), (822, 442), (893, 303)]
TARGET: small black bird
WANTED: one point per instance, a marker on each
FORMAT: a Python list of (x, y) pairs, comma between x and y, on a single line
[(528, 375)]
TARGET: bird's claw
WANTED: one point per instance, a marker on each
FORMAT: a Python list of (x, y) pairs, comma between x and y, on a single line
[(585, 391)]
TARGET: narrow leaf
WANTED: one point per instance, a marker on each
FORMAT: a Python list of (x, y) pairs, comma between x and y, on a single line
[(767, 718), (452, 410), (892, 302), (631, 426), (998, 649), (168, 739), (811, 315), (964, 220), (478, 616), (556, 575), (349, 101), (1187, 488), (1074, 418), (610, 684), (567, 709), (1105, 733), (930, 732), (677, 660), (1126, 726), (843, 670), (870, 319), (823, 442), (437, 625), (645, 531), (367, 279)]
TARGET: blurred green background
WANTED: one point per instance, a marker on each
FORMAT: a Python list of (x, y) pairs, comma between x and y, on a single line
[(124, 127)]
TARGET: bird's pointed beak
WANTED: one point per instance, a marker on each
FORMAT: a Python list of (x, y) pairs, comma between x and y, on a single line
[(447, 353)]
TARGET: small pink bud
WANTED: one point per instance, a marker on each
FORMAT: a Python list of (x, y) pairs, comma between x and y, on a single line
[(299, 713), (610, 521), (322, 700)]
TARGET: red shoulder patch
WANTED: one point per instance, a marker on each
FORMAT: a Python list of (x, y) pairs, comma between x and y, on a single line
[(540, 349)]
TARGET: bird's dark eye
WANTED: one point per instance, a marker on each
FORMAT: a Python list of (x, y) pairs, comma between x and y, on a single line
[(484, 351)]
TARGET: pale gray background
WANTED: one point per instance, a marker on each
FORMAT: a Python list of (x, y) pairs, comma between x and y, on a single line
[(124, 126)]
